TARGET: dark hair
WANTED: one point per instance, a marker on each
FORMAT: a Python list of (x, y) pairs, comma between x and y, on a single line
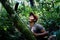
[(35, 17)]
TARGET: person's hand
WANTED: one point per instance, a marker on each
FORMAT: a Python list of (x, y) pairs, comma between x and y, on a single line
[(35, 34)]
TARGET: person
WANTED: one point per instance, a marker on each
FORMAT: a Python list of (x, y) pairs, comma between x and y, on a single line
[(37, 29)]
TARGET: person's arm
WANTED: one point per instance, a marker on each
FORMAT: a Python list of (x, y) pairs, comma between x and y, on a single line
[(41, 34), (42, 30)]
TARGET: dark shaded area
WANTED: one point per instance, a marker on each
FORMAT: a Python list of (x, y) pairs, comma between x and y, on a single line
[(16, 6)]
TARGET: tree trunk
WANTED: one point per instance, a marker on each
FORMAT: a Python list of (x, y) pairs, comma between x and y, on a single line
[(32, 3), (16, 6), (17, 21)]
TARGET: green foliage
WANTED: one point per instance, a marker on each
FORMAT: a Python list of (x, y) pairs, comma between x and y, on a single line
[(48, 15), (47, 12), (7, 30)]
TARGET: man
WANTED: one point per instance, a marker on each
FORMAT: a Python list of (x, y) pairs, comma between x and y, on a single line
[(37, 29)]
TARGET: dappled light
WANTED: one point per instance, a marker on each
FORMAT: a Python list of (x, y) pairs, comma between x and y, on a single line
[(30, 20)]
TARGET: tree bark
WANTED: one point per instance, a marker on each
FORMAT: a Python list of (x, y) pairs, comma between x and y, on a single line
[(17, 21), (32, 3), (16, 6)]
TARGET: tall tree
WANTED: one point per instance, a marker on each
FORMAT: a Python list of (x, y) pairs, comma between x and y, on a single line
[(16, 6), (32, 3), (17, 21)]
